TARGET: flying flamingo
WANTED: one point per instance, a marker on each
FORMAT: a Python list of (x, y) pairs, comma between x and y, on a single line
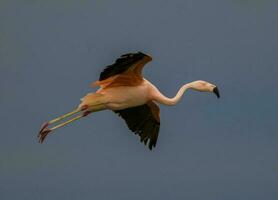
[(125, 91)]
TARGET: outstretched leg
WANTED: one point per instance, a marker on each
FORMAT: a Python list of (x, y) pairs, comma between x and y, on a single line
[(44, 131), (92, 102)]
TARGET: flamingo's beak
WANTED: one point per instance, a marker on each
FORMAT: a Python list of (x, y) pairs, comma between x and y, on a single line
[(216, 91)]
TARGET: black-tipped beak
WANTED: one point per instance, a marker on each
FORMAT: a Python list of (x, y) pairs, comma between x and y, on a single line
[(216, 91)]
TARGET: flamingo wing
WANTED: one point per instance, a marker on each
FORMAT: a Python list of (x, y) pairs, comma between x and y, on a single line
[(144, 121), (126, 71), (122, 64)]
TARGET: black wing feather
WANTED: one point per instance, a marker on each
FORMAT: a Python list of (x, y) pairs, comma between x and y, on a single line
[(141, 121), (120, 65)]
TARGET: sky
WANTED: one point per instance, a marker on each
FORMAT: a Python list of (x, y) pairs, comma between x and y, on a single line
[(208, 148)]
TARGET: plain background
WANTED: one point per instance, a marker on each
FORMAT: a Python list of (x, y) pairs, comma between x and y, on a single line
[(226, 149)]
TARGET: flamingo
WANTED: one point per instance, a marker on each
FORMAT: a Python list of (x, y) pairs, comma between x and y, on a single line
[(124, 90)]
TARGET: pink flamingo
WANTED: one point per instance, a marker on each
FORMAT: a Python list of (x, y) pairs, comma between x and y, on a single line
[(125, 91)]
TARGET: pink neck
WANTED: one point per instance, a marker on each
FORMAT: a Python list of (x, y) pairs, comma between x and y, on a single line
[(160, 98)]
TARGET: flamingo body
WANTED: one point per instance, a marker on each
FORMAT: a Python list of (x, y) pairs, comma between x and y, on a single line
[(118, 98)]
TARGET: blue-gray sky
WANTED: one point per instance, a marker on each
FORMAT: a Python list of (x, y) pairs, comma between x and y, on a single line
[(50, 51)]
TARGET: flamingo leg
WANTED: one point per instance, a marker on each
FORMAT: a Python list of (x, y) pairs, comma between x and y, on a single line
[(44, 131), (64, 116)]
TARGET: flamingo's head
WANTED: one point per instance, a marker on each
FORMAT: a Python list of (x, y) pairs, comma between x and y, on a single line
[(204, 86)]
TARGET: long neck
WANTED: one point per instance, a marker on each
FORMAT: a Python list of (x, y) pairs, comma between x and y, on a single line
[(160, 98)]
